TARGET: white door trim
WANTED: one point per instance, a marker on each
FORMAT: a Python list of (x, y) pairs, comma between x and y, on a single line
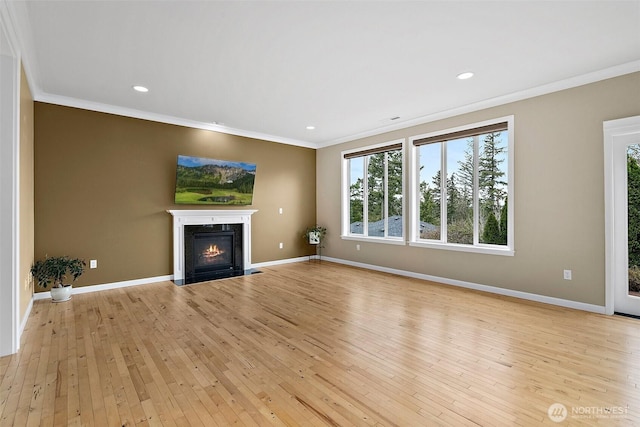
[(9, 185), (613, 129)]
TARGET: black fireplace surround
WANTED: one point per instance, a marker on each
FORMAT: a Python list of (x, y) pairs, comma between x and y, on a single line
[(212, 252)]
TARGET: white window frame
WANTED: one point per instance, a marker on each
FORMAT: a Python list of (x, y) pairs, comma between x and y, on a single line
[(414, 198), (346, 194)]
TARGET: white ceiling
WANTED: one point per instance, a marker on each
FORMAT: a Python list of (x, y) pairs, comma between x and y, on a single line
[(268, 69)]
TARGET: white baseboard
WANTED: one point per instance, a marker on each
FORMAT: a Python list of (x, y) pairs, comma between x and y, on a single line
[(469, 285), (107, 286), (136, 282), (283, 261), (25, 318)]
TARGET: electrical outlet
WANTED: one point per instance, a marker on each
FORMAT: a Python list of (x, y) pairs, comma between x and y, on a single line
[(93, 263), (280, 211), (357, 247), (281, 245), (567, 275)]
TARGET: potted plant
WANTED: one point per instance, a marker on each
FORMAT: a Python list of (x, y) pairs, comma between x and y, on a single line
[(54, 270), (315, 234)]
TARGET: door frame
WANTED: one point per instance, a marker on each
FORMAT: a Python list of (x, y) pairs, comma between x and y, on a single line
[(9, 185), (613, 237)]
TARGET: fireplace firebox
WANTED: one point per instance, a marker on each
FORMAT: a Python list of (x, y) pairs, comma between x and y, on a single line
[(212, 251)]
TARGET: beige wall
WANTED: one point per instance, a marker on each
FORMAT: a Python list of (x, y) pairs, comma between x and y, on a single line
[(559, 195), (103, 184), (26, 235)]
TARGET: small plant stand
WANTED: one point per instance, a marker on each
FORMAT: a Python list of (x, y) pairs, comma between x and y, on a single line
[(315, 237), (318, 256)]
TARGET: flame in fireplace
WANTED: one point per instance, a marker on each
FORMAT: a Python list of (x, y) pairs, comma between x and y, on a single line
[(212, 251)]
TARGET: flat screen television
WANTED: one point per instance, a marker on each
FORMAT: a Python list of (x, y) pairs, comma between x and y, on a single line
[(202, 181)]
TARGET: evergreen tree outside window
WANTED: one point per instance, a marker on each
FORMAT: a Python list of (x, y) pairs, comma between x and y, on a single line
[(633, 217), (470, 207), (375, 192), (430, 192)]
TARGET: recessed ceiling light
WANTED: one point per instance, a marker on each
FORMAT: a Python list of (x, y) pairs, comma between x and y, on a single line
[(311, 127), (140, 89), (465, 76)]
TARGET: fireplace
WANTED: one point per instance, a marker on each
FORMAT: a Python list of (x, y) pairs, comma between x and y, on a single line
[(212, 252), (211, 244)]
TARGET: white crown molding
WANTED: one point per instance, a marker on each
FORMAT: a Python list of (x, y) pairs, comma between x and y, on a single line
[(628, 68), (162, 118), (607, 73)]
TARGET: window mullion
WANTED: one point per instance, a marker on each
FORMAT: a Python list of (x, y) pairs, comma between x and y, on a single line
[(476, 190), (415, 211), (385, 194), (443, 192), (365, 196)]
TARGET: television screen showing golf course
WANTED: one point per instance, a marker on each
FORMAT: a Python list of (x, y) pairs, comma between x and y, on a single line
[(201, 181)]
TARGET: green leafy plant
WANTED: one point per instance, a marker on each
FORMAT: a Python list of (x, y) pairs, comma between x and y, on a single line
[(634, 278), (316, 230), (54, 270)]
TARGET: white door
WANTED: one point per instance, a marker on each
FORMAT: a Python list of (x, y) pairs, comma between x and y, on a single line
[(622, 207)]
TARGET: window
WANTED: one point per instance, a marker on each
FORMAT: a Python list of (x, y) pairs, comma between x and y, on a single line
[(373, 185), (463, 191)]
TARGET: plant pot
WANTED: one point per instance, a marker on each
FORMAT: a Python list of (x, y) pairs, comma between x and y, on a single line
[(314, 238), (61, 294)]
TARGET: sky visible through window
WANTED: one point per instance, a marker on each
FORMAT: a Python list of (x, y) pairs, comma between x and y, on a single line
[(357, 169), (430, 157)]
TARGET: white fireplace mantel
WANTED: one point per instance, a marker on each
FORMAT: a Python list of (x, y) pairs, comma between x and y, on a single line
[(205, 217)]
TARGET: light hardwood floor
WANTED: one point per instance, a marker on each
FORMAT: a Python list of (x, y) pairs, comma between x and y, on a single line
[(317, 344)]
